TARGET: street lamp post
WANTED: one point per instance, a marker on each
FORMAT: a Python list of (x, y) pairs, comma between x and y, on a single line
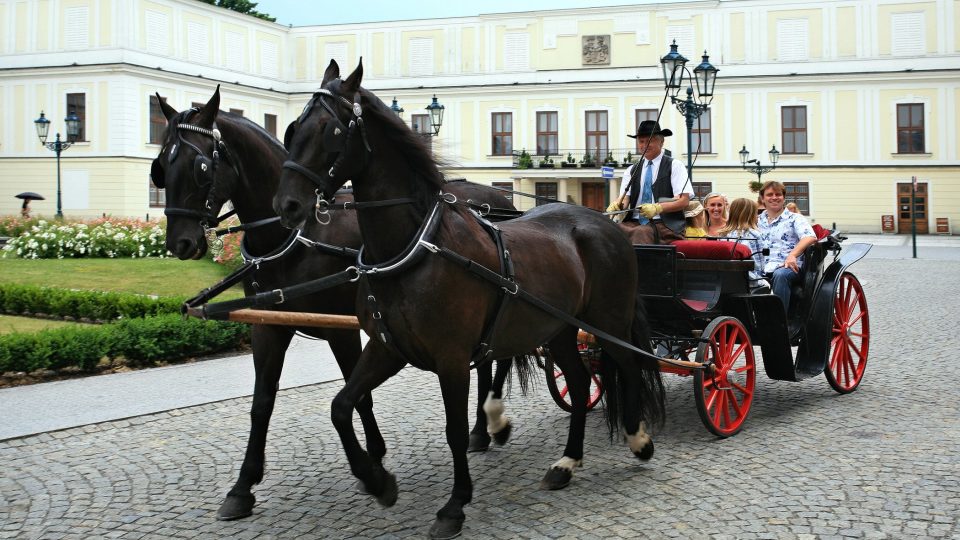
[(754, 165), (436, 115), (705, 77), (397, 109), (58, 146)]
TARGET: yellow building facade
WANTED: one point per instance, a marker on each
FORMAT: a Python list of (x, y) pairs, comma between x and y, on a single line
[(858, 96)]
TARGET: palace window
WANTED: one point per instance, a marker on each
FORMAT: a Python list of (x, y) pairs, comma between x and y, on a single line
[(794, 125), (910, 138)]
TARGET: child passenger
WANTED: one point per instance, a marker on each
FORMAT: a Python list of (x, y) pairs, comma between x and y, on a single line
[(696, 221), (742, 226)]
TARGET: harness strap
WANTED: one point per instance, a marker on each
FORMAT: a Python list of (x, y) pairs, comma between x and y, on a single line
[(216, 289), (484, 351), (221, 310), (245, 226), (514, 289), (340, 251), (376, 204), (312, 176)]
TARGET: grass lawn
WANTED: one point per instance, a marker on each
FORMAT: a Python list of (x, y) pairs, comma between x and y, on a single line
[(27, 325), (162, 277)]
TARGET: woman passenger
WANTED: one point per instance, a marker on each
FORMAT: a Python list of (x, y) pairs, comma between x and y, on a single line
[(716, 205), (742, 226)]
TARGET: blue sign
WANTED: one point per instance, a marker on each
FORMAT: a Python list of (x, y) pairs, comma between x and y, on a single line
[(606, 172)]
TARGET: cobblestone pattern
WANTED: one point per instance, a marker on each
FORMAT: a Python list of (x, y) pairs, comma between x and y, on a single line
[(878, 463)]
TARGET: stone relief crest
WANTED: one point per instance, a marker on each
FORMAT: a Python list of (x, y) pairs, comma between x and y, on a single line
[(596, 50)]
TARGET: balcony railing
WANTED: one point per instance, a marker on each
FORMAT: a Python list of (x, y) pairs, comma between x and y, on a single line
[(580, 158)]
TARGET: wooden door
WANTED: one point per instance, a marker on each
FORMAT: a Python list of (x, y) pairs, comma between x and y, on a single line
[(593, 195), (917, 213)]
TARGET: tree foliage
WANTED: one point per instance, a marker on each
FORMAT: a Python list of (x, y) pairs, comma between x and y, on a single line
[(241, 6)]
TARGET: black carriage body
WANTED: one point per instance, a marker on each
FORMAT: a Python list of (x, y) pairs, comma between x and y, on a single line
[(682, 296)]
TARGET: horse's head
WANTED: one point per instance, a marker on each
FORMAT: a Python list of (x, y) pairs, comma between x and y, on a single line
[(326, 146), (190, 168)]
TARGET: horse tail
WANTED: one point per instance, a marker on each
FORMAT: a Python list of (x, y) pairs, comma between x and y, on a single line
[(651, 395), (637, 386), (525, 366)]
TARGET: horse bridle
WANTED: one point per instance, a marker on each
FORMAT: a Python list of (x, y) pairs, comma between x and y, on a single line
[(204, 171), (336, 138)]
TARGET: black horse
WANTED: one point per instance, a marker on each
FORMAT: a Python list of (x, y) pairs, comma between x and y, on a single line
[(427, 295), (211, 156)]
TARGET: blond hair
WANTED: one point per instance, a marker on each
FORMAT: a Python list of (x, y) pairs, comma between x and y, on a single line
[(743, 216)]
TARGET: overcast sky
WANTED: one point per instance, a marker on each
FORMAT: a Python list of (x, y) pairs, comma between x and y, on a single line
[(304, 13)]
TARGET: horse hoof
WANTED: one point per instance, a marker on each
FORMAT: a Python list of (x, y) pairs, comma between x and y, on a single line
[(444, 528), (236, 507), (501, 437), (388, 496), (361, 488), (479, 442), (646, 452), (556, 478)]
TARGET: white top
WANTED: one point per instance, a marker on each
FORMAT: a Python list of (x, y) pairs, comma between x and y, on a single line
[(678, 178)]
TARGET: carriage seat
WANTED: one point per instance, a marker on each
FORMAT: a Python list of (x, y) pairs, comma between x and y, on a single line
[(710, 267), (714, 250)]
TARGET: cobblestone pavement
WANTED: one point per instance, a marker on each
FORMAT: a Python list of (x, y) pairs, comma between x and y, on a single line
[(878, 463)]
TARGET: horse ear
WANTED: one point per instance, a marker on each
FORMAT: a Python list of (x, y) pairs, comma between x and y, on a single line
[(352, 84), (288, 136), (209, 111), (332, 72), (168, 111)]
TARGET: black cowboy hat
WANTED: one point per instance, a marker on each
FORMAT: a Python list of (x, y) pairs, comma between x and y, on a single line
[(649, 128)]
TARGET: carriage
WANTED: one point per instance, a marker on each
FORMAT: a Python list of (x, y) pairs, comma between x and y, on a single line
[(702, 308)]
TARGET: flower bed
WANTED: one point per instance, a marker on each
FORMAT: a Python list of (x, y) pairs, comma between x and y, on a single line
[(109, 238)]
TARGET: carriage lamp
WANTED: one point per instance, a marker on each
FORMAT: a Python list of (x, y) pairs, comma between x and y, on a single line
[(397, 109), (754, 165), (704, 76), (436, 115), (57, 146)]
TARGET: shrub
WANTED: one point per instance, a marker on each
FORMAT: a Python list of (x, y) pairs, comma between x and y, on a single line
[(142, 342), (94, 305)]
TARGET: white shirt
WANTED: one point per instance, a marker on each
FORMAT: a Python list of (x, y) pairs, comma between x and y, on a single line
[(678, 178)]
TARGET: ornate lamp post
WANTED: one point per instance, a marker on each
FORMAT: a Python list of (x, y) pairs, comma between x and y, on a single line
[(58, 146), (705, 77), (397, 109), (436, 115), (754, 166)]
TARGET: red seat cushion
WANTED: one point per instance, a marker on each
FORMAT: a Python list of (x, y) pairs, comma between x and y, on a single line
[(820, 231), (718, 250)]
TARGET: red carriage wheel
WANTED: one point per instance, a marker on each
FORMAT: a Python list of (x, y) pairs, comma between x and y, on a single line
[(850, 341), (723, 399), (557, 383)]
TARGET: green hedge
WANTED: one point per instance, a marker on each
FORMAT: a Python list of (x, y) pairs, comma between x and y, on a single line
[(92, 305), (141, 342)]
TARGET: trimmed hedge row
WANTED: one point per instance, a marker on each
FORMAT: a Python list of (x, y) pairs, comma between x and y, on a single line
[(145, 330), (92, 305), (141, 342)]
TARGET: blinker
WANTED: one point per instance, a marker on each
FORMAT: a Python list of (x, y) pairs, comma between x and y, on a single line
[(156, 174)]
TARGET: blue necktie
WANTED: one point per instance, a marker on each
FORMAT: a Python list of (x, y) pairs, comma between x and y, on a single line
[(646, 194)]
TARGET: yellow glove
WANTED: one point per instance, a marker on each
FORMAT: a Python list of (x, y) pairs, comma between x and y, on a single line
[(650, 209), (614, 207)]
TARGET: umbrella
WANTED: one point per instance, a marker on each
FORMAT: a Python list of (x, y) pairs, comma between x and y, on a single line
[(30, 196)]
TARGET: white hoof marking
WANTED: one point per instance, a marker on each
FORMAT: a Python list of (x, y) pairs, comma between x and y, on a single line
[(639, 440), (494, 408), (567, 463)]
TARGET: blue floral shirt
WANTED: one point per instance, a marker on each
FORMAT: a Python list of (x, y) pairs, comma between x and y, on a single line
[(782, 236), (752, 239)]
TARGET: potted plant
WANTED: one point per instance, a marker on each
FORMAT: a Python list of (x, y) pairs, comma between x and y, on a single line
[(525, 161), (587, 160), (570, 163), (609, 161), (546, 163), (627, 161), (755, 186)]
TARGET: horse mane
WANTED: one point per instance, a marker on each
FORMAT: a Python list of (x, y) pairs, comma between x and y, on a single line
[(409, 143)]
